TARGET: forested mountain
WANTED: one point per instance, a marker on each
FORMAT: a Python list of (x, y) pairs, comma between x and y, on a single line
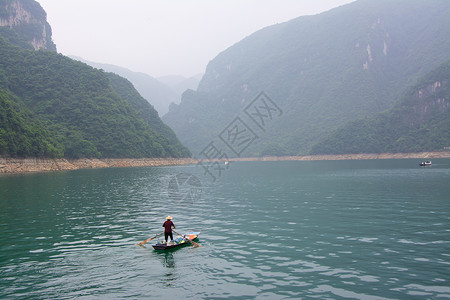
[(321, 71), (53, 106), (21, 134), (420, 121), (149, 115), (155, 92)]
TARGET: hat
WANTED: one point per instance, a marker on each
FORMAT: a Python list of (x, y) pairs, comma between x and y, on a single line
[(169, 218)]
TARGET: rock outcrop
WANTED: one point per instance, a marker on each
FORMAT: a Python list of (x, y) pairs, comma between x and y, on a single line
[(28, 20)]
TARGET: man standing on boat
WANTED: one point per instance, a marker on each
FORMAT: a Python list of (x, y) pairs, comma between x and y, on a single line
[(168, 228)]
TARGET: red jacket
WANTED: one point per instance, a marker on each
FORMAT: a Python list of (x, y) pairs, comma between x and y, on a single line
[(168, 226)]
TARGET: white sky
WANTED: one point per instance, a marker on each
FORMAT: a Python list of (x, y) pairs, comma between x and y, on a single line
[(165, 37)]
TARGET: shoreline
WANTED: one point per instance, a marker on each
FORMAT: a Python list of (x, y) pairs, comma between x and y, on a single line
[(34, 165), (361, 156)]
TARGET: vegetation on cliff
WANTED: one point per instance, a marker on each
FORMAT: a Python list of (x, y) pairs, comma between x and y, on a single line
[(158, 94), (420, 121), (149, 115), (21, 134), (77, 106)]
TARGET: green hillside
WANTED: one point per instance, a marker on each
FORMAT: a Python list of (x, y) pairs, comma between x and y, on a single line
[(80, 109), (155, 92), (21, 134), (322, 71), (420, 121), (149, 115)]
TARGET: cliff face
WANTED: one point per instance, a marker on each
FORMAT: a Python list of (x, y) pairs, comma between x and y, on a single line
[(419, 121), (26, 20), (427, 103)]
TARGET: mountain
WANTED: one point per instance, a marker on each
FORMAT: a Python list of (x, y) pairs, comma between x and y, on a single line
[(180, 83), (317, 73), (53, 106), (24, 22), (419, 121), (149, 115), (154, 91)]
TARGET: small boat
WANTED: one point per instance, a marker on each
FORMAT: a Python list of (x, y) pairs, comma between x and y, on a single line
[(178, 242), (425, 164)]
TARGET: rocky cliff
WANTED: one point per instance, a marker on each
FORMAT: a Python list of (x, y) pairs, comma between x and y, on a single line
[(24, 22), (425, 104)]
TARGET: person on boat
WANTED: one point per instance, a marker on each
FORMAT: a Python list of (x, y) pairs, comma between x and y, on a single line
[(168, 224)]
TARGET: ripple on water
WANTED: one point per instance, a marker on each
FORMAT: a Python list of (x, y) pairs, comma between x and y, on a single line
[(278, 230)]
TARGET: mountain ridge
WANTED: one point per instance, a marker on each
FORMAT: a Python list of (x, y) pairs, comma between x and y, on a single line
[(157, 93), (323, 71), (180, 83)]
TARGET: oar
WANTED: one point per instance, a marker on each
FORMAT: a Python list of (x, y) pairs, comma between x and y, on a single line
[(189, 240), (148, 240)]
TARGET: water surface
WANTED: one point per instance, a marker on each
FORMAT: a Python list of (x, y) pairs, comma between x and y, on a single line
[(376, 229)]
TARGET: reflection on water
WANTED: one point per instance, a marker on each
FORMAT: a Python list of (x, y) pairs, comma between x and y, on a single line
[(359, 229), (170, 274), (169, 261)]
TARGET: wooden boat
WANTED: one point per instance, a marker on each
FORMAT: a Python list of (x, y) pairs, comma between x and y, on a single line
[(177, 242), (425, 164)]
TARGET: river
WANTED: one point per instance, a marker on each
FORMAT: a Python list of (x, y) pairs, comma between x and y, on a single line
[(361, 229)]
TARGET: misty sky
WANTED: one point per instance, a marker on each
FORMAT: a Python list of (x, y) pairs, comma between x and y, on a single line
[(165, 37)]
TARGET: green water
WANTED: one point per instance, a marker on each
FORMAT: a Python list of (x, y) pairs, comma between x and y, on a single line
[(269, 230)]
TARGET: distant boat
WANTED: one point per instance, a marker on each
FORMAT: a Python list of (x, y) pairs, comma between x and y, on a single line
[(425, 164), (227, 163)]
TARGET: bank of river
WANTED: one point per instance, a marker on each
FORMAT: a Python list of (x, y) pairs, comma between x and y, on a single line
[(361, 156), (26, 165)]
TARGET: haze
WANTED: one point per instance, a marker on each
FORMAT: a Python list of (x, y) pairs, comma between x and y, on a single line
[(165, 37)]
